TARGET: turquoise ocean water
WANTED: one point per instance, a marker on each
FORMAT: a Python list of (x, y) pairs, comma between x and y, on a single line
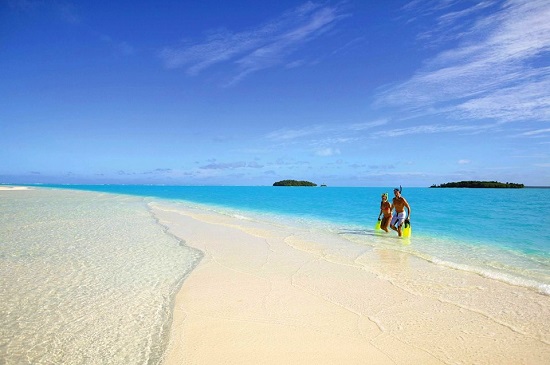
[(503, 234)]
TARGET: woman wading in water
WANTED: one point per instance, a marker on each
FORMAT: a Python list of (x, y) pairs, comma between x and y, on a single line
[(385, 209)]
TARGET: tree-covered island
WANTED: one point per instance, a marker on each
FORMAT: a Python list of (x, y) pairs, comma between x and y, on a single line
[(479, 184), (293, 183)]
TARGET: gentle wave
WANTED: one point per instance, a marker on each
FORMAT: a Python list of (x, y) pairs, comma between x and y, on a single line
[(495, 275)]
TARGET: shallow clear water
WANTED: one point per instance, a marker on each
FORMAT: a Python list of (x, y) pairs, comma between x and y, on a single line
[(85, 279)]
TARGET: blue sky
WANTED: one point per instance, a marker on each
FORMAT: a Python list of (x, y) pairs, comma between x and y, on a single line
[(343, 93)]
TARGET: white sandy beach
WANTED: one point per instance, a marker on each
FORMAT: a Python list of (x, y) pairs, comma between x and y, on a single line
[(266, 294)]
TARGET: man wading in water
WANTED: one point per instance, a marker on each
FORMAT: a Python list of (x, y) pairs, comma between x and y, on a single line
[(399, 204)]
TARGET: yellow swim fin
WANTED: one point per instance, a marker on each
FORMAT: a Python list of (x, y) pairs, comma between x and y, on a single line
[(377, 225), (407, 230)]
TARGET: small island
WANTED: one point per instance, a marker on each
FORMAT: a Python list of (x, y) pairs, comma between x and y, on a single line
[(479, 184), (293, 183)]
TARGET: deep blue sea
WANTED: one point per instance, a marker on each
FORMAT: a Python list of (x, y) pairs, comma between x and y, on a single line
[(499, 233)]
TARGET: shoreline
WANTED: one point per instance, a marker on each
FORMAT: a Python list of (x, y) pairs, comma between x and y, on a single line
[(272, 294), (13, 188)]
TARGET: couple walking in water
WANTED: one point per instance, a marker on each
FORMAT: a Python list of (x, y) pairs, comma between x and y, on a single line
[(396, 221)]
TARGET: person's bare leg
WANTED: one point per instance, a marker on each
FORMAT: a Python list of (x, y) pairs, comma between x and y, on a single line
[(385, 223)]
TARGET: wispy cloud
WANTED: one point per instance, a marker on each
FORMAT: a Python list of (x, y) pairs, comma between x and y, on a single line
[(325, 152), (499, 70), (335, 132), (63, 10), (423, 7), (434, 128), (262, 47), (290, 134), (231, 165), (453, 19), (324, 140), (68, 12), (537, 132)]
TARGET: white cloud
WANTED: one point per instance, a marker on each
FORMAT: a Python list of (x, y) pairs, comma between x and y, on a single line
[(290, 134), (536, 132), (495, 72), (463, 162), (433, 128), (231, 165), (328, 132), (262, 47), (325, 152)]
